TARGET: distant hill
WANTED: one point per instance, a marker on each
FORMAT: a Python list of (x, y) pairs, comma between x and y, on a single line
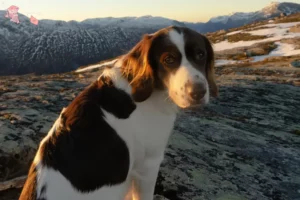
[(59, 46), (237, 19), (252, 43)]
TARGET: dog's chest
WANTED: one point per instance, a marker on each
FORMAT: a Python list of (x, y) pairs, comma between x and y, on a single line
[(149, 126)]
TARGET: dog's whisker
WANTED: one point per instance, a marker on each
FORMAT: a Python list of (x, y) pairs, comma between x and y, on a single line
[(167, 98)]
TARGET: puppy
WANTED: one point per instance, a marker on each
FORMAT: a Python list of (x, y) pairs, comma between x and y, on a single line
[(116, 130)]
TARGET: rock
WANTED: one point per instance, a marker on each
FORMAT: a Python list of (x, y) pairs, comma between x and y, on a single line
[(295, 29), (26, 113), (236, 148), (158, 197), (81, 76), (221, 31), (239, 73), (296, 83), (295, 63), (282, 14), (243, 145)]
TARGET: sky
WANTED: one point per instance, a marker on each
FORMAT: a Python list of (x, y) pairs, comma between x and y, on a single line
[(182, 10)]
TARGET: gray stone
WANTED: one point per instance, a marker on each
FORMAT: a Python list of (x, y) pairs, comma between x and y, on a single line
[(243, 145), (295, 29), (295, 63), (158, 197)]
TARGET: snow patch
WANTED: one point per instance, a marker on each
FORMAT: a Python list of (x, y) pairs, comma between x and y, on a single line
[(283, 49), (127, 22), (280, 31), (96, 66), (274, 8), (234, 32), (270, 8), (225, 62)]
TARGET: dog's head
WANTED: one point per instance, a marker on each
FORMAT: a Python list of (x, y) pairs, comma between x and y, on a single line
[(176, 59)]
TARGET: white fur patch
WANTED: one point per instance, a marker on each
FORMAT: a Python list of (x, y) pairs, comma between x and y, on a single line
[(116, 76), (146, 140), (58, 187)]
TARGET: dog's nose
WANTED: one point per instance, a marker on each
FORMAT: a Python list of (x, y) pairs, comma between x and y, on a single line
[(196, 91)]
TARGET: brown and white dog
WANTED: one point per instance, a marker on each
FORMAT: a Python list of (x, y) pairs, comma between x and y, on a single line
[(116, 130)]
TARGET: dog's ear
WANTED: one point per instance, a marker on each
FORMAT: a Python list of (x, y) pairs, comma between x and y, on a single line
[(138, 71), (210, 68)]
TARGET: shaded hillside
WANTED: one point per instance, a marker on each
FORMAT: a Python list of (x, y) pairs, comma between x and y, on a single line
[(58, 46)]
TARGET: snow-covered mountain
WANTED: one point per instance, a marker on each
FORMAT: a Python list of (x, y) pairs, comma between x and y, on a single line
[(237, 19), (146, 21), (236, 16), (271, 10), (60, 46)]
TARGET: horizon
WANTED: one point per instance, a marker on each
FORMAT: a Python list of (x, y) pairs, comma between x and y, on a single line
[(187, 12)]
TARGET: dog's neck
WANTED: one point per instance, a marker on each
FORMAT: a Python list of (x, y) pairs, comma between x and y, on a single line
[(159, 99)]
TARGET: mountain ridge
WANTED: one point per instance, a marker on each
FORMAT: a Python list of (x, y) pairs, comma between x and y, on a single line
[(271, 10), (236, 19), (56, 46)]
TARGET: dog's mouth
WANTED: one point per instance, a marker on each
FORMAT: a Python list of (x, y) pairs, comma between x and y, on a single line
[(187, 103), (192, 104), (197, 103)]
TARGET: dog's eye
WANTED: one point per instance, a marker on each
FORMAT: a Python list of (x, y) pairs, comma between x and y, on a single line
[(169, 59), (199, 54)]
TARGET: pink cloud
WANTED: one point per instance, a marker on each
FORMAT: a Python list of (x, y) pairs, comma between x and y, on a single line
[(15, 18), (12, 13), (33, 20)]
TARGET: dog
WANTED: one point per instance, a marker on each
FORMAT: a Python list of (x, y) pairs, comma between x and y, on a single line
[(116, 130)]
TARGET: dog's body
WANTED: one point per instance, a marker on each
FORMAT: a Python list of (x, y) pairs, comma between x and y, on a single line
[(117, 129)]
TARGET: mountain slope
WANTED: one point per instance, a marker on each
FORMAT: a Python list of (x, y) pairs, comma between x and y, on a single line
[(237, 19), (249, 44), (59, 46), (146, 21)]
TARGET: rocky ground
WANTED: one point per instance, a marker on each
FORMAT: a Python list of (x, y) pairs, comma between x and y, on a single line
[(244, 145)]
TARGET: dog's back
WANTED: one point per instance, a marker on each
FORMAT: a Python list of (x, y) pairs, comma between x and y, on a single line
[(82, 155)]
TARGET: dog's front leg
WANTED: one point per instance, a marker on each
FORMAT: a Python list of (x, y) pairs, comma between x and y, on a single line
[(147, 176)]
